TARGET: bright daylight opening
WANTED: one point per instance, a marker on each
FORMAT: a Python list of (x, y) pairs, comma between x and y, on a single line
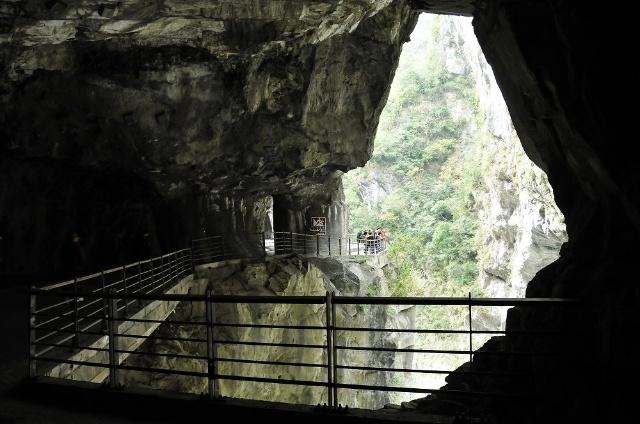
[(464, 209)]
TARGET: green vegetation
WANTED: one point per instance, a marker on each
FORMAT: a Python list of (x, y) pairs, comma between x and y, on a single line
[(421, 185), (420, 151)]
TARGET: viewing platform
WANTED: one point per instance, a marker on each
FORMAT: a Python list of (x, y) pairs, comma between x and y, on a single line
[(84, 329)]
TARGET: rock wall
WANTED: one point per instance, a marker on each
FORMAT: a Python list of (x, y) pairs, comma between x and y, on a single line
[(287, 276), (521, 230), (561, 67), (186, 99)]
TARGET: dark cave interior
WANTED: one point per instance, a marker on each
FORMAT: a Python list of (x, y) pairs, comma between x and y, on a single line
[(150, 127)]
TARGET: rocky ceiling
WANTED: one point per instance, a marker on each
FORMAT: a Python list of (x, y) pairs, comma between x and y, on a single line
[(264, 96), (103, 102)]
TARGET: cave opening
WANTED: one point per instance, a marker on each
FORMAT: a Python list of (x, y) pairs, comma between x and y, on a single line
[(93, 136), (465, 211)]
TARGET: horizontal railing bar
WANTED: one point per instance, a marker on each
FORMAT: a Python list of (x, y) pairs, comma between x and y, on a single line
[(289, 300), (108, 271), (438, 331), (447, 352), (344, 300), (58, 330), (460, 301), (403, 330), (177, 339), (237, 342), (123, 367), (288, 327), (70, 361), (270, 380), (428, 371), (159, 321), (49, 321), (162, 370), (47, 308), (86, 305), (164, 355), (407, 350), (66, 346), (252, 361)]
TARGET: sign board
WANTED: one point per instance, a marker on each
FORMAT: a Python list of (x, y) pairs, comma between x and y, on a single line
[(318, 225)]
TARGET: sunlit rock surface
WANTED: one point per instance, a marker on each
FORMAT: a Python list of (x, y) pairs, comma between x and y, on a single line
[(288, 276), (521, 228)]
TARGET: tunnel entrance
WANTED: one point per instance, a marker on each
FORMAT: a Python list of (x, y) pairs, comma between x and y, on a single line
[(464, 209)]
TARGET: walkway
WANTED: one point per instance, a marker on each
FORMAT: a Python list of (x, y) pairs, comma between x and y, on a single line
[(255, 245), (88, 323)]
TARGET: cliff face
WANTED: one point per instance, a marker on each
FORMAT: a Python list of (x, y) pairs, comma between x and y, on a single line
[(562, 67), (512, 216), (240, 99), (289, 276), (520, 227)]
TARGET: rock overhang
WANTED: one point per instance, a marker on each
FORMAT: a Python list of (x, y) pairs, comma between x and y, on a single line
[(200, 96)]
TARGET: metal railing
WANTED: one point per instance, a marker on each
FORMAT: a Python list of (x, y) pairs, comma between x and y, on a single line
[(79, 306), (327, 245), (244, 245), (255, 245), (335, 344)]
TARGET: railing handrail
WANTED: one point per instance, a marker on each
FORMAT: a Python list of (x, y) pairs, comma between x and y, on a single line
[(80, 279), (108, 271), (330, 300), (342, 300)]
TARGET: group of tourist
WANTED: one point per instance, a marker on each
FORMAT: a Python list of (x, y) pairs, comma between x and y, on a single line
[(373, 240)]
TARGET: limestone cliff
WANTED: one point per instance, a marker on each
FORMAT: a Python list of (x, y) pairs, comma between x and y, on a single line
[(511, 209), (288, 276), (180, 99), (521, 229)]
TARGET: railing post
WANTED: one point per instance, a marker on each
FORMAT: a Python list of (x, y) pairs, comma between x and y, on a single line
[(470, 357), (290, 242), (161, 272), (76, 323), (330, 387), (33, 372), (105, 304), (139, 282), (113, 339), (349, 241), (334, 324), (152, 283), (329, 244), (124, 289), (211, 347), (358, 245), (193, 264), (304, 242), (264, 246), (317, 244), (339, 246)]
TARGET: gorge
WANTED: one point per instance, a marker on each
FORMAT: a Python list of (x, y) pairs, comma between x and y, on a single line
[(128, 122)]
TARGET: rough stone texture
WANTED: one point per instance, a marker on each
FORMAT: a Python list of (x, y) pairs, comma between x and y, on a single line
[(521, 230), (560, 67), (236, 98), (286, 276)]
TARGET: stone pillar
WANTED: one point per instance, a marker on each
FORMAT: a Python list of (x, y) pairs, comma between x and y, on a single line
[(239, 217), (334, 208), (293, 214)]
